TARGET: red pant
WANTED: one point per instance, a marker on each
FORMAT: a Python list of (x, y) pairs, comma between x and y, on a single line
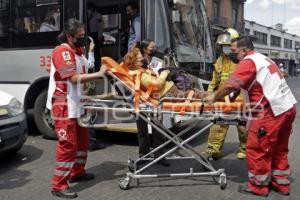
[(71, 150), (267, 156)]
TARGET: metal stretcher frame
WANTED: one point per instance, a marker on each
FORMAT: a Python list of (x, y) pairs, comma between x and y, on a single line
[(146, 113)]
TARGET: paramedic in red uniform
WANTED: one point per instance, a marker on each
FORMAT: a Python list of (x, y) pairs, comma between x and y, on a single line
[(268, 130), (67, 77)]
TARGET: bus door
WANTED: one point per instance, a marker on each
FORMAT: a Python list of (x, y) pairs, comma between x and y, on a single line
[(156, 26), (114, 25)]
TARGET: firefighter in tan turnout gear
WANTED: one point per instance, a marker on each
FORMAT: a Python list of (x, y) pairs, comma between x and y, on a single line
[(224, 67)]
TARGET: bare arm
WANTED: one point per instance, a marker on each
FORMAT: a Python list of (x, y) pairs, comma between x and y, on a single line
[(223, 91), (83, 78), (159, 82)]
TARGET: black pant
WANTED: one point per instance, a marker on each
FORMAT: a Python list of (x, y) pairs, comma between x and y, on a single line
[(145, 141), (93, 137)]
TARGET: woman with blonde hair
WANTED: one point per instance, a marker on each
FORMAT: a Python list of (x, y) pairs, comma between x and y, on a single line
[(164, 86)]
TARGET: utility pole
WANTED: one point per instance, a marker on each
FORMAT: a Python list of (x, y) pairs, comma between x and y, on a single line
[(296, 59)]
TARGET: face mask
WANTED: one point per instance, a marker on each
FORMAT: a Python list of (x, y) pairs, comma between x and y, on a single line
[(80, 42), (241, 56), (226, 50), (234, 58), (153, 52)]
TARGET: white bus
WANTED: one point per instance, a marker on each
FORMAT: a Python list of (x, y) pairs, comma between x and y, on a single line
[(29, 29)]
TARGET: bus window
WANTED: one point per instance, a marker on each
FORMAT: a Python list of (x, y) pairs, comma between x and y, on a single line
[(192, 38), (114, 26), (46, 2), (110, 28), (71, 10), (4, 24), (35, 23)]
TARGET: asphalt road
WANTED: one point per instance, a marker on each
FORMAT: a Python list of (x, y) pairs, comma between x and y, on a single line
[(27, 174)]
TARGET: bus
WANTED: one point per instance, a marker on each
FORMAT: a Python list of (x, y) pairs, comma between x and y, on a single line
[(29, 30)]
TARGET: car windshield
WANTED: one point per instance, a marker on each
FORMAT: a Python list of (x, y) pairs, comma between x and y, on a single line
[(191, 32)]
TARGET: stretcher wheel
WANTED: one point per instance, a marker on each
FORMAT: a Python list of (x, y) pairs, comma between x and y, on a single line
[(223, 181), (124, 183)]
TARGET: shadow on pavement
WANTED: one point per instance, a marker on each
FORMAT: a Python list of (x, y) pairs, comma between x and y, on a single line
[(235, 169), (117, 138), (153, 183), (10, 176), (103, 172)]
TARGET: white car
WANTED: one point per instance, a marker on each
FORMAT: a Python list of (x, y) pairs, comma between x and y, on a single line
[(13, 125)]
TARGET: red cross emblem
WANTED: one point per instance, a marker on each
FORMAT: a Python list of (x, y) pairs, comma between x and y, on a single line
[(273, 68)]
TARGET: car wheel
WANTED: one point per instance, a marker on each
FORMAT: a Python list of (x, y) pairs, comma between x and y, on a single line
[(42, 117)]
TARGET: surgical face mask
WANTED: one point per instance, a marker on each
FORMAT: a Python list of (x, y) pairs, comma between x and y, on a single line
[(153, 52), (241, 54), (226, 50), (80, 42)]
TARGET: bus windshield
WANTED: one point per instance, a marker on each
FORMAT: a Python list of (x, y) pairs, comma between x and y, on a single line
[(191, 32)]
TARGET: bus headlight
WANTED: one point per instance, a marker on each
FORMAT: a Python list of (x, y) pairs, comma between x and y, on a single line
[(15, 107)]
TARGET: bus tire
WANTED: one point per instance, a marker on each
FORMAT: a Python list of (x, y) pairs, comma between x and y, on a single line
[(42, 117)]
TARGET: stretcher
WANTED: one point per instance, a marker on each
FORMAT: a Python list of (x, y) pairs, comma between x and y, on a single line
[(150, 110)]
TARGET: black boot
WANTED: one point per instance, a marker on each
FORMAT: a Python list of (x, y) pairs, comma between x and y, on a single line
[(67, 194), (96, 145), (86, 177)]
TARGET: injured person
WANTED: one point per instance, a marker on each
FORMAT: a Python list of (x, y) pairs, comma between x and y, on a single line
[(161, 85), (163, 89)]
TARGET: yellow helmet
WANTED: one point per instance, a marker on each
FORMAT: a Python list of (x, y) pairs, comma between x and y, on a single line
[(228, 35)]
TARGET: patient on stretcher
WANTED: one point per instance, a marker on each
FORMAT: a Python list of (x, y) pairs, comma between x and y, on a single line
[(133, 61), (152, 87)]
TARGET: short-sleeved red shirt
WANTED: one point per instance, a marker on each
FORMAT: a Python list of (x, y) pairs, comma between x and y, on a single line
[(63, 58)]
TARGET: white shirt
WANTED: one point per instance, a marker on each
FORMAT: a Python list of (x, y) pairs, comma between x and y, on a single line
[(45, 27), (156, 64)]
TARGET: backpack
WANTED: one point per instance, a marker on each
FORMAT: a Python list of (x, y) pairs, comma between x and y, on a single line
[(180, 77)]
